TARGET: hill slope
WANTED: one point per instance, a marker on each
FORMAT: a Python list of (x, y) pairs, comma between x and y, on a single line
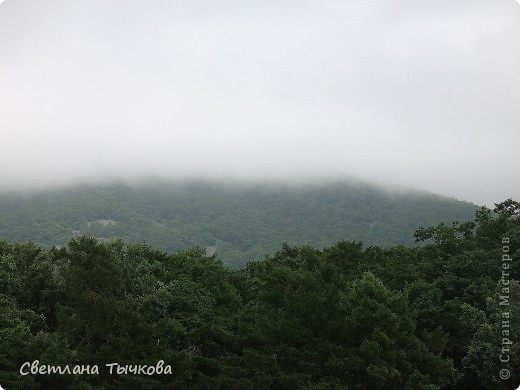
[(238, 222)]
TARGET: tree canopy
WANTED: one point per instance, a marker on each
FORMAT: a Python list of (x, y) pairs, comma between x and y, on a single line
[(343, 317), (238, 222)]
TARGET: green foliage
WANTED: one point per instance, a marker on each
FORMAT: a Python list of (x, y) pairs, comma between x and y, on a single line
[(241, 223), (342, 317)]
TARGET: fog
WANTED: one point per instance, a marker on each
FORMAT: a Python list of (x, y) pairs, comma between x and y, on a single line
[(422, 94)]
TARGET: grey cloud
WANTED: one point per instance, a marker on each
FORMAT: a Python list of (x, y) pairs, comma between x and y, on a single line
[(416, 93)]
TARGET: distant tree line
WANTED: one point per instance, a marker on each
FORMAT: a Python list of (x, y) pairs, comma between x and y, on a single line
[(345, 317), (242, 223)]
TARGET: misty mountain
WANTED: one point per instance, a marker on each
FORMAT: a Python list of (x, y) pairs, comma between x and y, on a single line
[(237, 222)]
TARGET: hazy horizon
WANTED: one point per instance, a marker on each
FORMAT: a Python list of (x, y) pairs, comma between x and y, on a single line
[(230, 183), (406, 93)]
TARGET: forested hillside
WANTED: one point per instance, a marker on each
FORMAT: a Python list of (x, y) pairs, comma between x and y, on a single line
[(350, 316), (238, 222)]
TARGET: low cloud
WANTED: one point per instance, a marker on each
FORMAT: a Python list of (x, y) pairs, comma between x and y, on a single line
[(414, 93)]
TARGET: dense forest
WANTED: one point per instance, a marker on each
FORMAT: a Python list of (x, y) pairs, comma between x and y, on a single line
[(238, 222), (347, 316)]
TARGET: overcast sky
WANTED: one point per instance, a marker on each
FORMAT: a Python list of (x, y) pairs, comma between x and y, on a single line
[(423, 94)]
